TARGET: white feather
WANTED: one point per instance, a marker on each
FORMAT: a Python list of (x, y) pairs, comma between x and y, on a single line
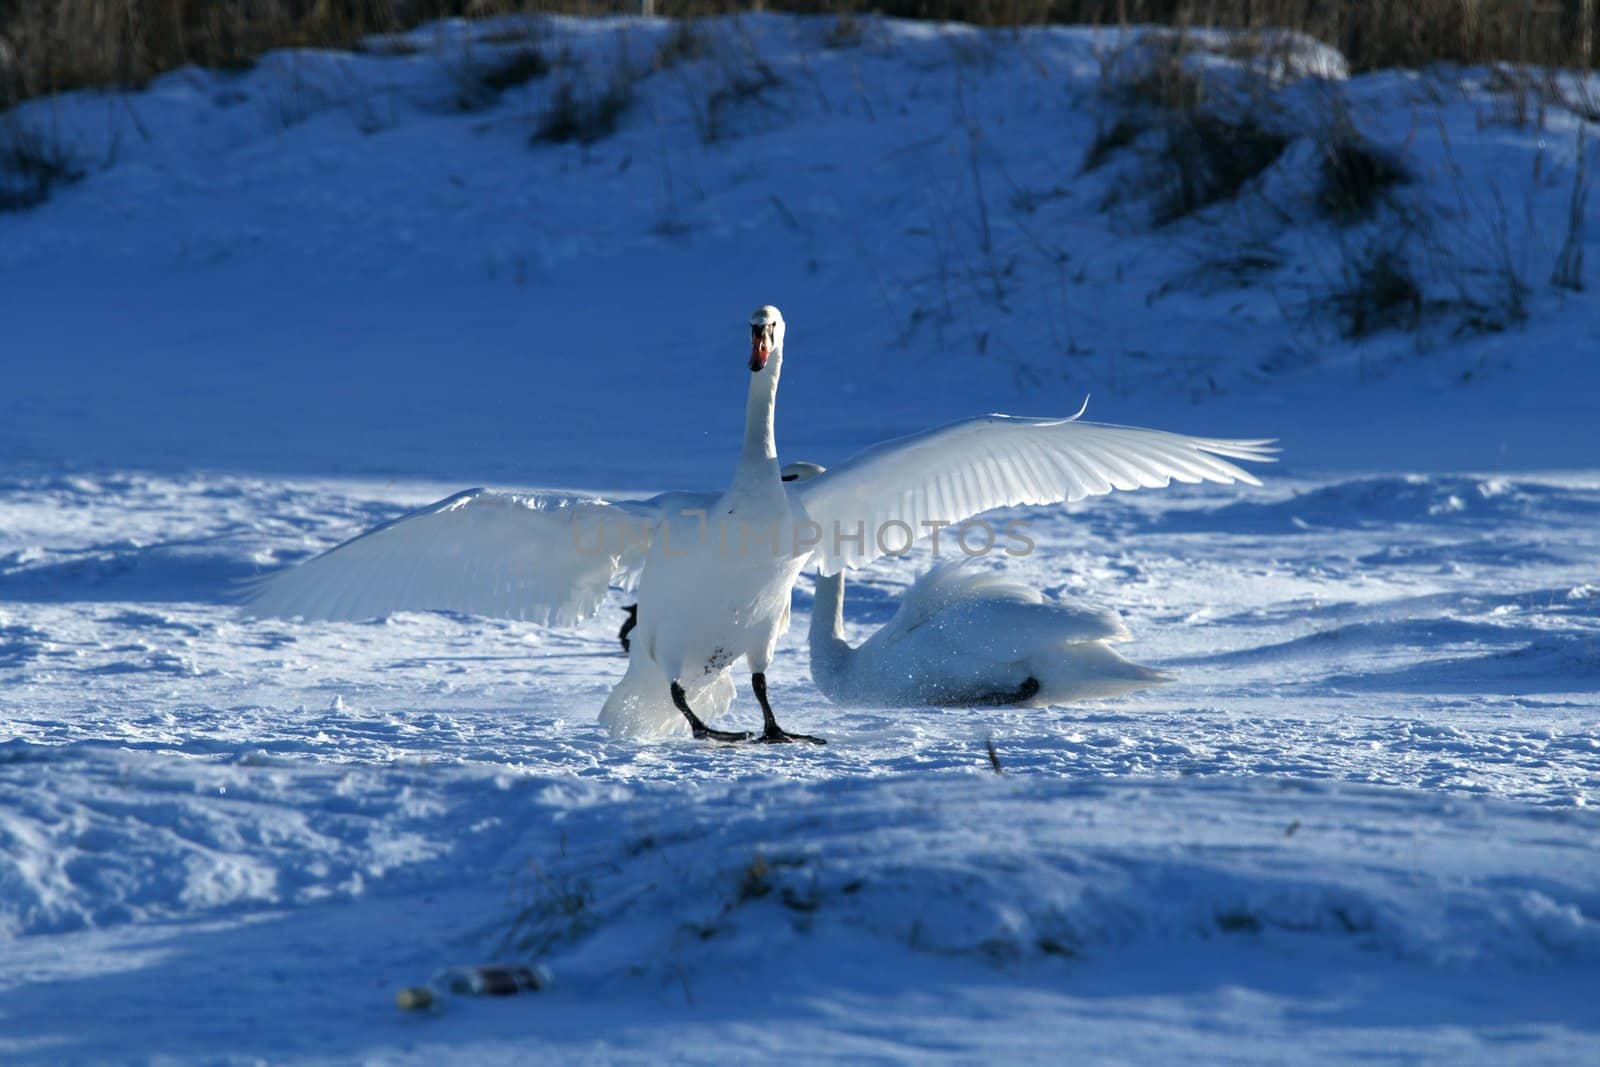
[(547, 558), (949, 474)]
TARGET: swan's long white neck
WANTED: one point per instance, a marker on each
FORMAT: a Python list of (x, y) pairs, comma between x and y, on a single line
[(760, 441), (828, 646)]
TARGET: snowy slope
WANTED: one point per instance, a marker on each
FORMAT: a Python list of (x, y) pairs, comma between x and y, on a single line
[(288, 304), (329, 240)]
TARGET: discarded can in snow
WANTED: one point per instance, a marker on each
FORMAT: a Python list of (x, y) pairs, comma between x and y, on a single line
[(484, 981), (492, 981)]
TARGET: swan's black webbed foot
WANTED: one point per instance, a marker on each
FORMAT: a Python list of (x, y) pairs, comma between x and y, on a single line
[(699, 729), (707, 733), (775, 735), (772, 733), (627, 627)]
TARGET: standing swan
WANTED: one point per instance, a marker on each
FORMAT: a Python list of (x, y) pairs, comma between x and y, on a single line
[(964, 638), (714, 582)]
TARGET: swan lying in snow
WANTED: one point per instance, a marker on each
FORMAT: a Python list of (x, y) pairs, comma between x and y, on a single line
[(962, 637), (714, 581)]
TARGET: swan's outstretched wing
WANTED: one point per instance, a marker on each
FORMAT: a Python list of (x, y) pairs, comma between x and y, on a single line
[(957, 471), (546, 558)]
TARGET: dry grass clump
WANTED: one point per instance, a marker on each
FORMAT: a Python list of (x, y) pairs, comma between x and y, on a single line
[(686, 43), (57, 45), (714, 121), (1109, 140), (584, 107), (69, 44), (32, 165), (480, 82), (519, 68), (847, 31), (1355, 176), (735, 76), (1568, 272), (1372, 34), (1379, 292), (1200, 145), (60, 45), (1208, 160), (1160, 78)]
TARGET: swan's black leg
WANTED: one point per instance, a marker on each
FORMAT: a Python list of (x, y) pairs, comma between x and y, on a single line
[(701, 731), (627, 627), (1021, 695), (773, 734)]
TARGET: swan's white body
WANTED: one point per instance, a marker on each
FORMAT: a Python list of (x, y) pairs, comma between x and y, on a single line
[(962, 637), (705, 598)]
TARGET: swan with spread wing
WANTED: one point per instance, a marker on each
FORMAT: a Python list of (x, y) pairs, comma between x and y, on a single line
[(715, 571)]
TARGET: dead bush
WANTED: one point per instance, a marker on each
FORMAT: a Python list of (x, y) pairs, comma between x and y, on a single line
[(1568, 272), (730, 72), (1206, 159), (1378, 292), (847, 31), (584, 109), (1108, 140), (686, 43), (69, 44), (1166, 84), (479, 83), (712, 122), (519, 68), (1372, 34), (1355, 177), (1211, 145), (33, 164)]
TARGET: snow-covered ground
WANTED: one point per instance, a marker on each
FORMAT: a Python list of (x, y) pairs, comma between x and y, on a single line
[(288, 304)]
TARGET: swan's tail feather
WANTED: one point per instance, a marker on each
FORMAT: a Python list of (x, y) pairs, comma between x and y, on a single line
[(1091, 670), (641, 704)]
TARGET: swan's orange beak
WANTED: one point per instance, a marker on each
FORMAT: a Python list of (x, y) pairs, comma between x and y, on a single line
[(760, 348)]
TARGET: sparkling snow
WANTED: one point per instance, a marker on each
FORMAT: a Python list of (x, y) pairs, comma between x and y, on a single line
[(288, 304)]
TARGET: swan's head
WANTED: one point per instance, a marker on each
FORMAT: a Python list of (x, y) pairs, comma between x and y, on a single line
[(766, 336), (802, 472)]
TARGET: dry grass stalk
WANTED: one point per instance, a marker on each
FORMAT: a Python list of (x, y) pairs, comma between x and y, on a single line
[(57, 45)]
